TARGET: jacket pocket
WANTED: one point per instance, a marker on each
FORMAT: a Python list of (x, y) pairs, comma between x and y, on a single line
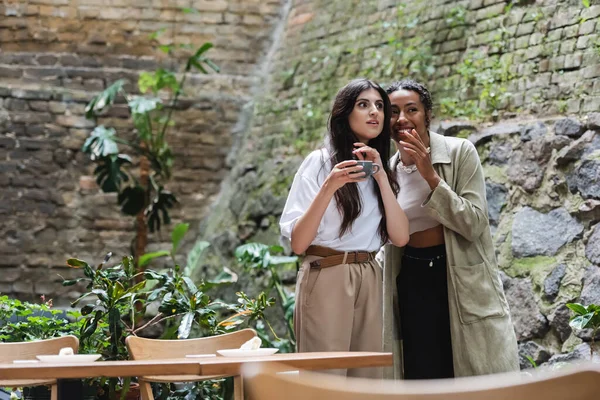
[(476, 295)]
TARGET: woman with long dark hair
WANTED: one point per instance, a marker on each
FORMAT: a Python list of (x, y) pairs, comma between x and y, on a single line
[(339, 213), (445, 310)]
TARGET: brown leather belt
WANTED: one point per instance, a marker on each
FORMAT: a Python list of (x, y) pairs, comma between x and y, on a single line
[(334, 257)]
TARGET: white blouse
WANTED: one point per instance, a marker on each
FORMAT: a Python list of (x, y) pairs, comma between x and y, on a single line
[(363, 233), (413, 193)]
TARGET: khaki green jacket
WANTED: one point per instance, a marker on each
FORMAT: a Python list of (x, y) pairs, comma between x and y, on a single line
[(483, 338)]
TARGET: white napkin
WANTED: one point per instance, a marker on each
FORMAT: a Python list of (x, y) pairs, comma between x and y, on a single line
[(66, 351), (252, 344)]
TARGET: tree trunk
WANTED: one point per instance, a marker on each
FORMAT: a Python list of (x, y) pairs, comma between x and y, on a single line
[(141, 235)]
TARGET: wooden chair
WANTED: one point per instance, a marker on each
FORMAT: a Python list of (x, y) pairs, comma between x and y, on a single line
[(27, 351), (156, 349), (574, 382)]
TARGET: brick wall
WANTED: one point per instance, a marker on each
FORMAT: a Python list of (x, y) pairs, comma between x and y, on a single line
[(55, 55)]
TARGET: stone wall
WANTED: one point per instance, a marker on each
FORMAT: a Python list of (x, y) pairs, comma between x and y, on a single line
[(55, 55), (524, 66), (482, 59)]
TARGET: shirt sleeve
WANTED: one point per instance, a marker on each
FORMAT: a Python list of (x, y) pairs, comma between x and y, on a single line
[(304, 190), (464, 210)]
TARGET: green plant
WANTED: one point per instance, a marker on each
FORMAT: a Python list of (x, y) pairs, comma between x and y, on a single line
[(143, 195), (258, 258), (531, 361), (586, 317), (25, 321), (562, 106), (456, 16), (481, 77), (122, 294), (33, 321)]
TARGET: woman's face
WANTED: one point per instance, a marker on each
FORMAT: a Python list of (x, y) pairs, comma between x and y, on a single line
[(366, 119), (407, 113)]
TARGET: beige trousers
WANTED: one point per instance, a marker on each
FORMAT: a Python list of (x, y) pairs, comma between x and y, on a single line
[(339, 308)]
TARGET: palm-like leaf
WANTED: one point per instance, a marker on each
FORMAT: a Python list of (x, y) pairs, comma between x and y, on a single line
[(143, 105), (109, 174), (132, 199), (101, 143), (158, 212), (103, 99), (199, 61)]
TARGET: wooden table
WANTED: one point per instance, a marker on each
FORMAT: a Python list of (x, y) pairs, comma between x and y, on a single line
[(197, 366)]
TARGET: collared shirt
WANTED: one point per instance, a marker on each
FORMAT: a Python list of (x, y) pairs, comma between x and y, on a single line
[(363, 233)]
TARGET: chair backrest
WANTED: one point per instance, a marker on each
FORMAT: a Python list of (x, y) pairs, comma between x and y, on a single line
[(572, 382), (28, 350), (152, 349)]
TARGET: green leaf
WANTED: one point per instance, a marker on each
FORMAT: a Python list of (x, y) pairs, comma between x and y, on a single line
[(178, 233), (158, 80), (579, 309), (198, 66), (158, 212), (153, 275), (198, 59), (76, 263), (190, 285), (132, 200), (581, 321), (275, 249), (212, 65), (72, 281), (226, 276), (276, 260), (136, 288), (103, 99), (586, 3), (101, 143), (109, 174), (194, 256), (203, 49), (185, 326), (146, 258), (531, 361), (254, 250), (143, 105)]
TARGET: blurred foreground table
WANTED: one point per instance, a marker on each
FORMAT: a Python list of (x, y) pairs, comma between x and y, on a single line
[(192, 366)]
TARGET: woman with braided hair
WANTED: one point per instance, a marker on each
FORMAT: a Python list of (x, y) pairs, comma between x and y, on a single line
[(445, 313)]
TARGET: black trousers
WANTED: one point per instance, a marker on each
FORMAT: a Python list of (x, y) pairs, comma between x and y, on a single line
[(424, 315)]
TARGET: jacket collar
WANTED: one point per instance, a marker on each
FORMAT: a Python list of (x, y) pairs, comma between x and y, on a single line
[(439, 151)]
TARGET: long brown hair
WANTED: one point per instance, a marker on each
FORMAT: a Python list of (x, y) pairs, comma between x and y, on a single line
[(342, 139)]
